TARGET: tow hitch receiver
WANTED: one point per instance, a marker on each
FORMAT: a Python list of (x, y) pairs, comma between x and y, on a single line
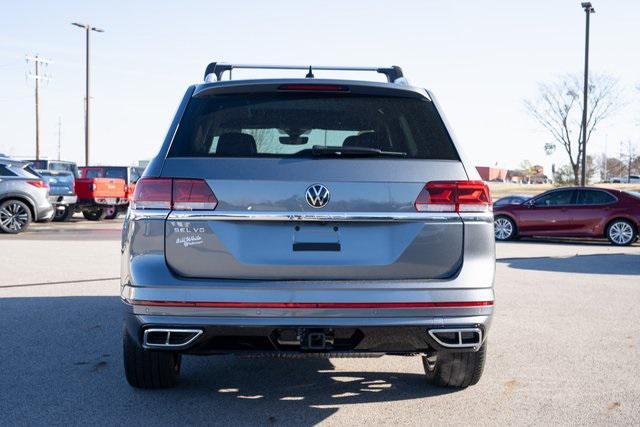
[(316, 339), (308, 339)]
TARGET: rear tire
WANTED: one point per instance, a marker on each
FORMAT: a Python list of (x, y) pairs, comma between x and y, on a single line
[(504, 228), (147, 368), (95, 215), (621, 232), (111, 212), (455, 369), (63, 215), (15, 216)]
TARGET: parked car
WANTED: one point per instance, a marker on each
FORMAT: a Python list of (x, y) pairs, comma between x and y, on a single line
[(630, 179), (62, 193), (301, 217), (515, 199), (55, 165), (572, 212), (130, 175), (99, 198), (23, 196)]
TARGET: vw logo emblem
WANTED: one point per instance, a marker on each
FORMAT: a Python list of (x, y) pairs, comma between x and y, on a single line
[(317, 196)]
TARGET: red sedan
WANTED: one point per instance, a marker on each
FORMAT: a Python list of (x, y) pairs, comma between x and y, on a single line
[(573, 212)]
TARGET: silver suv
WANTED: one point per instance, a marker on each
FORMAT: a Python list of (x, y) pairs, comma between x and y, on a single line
[(23, 196), (295, 217)]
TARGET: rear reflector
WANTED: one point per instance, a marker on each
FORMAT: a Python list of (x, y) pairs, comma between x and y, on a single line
[(231, 304), (454, 196), (314, 87), (38, 183), (170, 193)]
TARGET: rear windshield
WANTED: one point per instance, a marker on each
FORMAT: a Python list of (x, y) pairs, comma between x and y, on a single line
[(120, 173), (282, 125)]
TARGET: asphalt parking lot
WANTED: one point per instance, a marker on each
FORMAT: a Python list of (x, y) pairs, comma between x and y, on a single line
[(564, 348)]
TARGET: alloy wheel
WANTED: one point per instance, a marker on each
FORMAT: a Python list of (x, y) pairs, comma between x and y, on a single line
[(503, 228), (14, 216), (621, 233)]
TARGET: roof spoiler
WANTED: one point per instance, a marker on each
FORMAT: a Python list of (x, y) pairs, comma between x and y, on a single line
[(217, 69)]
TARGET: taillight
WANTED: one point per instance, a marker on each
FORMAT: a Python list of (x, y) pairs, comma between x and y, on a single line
[(38, 183), (193, 195), (169, 193), (153, 193), (454, 196)]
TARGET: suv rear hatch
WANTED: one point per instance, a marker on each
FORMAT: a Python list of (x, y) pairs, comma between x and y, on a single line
[(261, 152)]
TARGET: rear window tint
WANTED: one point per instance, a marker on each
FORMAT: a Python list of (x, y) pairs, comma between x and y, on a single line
[(281, 125), (595, 197), (120, 173)]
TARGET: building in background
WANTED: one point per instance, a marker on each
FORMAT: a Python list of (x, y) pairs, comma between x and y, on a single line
[(489, 173), (533, 175)]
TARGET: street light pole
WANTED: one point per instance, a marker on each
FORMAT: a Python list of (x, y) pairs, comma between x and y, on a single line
[(88, 29), (588, 9)]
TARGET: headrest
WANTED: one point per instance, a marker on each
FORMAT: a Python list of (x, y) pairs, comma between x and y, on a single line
[(236, 144), (364, 140)]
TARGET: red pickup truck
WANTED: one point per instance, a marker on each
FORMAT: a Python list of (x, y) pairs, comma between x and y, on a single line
[(130, 175), (100, 197)]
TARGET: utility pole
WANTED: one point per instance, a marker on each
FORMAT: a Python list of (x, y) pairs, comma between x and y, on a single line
[(588, 9), (606, 160), (630, 157), (59, 136), (37, 76), (88, 29)]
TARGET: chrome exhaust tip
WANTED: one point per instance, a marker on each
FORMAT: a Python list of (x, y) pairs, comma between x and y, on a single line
[(169, 338), (458, 337)]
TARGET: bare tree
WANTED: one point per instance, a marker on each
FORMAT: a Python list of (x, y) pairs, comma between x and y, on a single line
[(558, 109)]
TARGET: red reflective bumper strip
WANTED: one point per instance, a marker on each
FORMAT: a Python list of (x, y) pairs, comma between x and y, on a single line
[(226, 304)]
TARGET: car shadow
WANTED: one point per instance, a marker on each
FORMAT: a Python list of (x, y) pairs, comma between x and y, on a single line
[(560, 241), (623, 264), (62, 362)]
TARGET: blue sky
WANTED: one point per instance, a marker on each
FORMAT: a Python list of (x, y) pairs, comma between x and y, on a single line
[(480, 59)]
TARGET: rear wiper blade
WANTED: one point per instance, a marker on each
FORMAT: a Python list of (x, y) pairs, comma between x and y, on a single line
[(321, 150)]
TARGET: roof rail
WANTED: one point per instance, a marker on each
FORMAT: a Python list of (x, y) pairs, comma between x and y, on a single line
[(392, 73)]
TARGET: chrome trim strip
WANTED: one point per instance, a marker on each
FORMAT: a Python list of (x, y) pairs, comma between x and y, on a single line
[(477, 217), (427, 217), (138, 214), (315, 216), (459, 331), (145, 344)]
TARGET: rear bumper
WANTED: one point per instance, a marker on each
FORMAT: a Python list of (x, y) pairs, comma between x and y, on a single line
[(63, 200), (248, 327), (102, 201), (345, 335), (45, 213)]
